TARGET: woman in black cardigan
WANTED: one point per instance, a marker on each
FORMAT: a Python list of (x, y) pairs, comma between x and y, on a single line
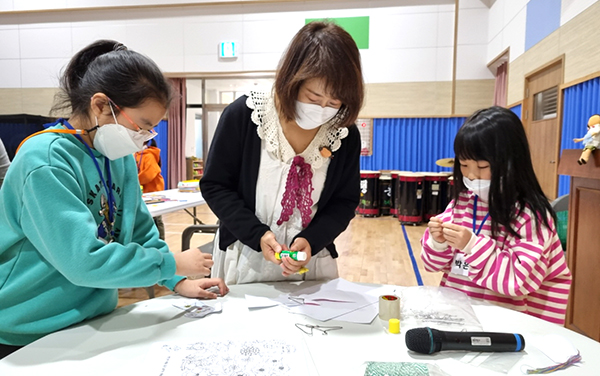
[(283, 168)]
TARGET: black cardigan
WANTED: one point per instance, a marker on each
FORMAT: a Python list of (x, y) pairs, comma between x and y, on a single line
[(231, 172)]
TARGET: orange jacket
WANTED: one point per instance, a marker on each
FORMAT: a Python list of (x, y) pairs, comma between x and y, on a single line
[(148, 169)]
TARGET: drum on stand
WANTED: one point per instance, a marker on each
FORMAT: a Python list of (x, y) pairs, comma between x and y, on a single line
[(394, 207), (396, 191), (410, 210), (369, 193), (450, 188), (435, 191), (386, 196)]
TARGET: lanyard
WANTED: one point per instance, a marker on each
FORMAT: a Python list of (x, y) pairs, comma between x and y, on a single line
[(475, 229), (107, 188), (139, 163)]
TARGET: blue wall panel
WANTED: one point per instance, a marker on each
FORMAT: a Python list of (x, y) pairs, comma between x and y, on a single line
[(543, 17), (412, 144)]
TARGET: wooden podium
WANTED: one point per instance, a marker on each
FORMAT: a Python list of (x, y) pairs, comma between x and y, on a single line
[(583, 242)]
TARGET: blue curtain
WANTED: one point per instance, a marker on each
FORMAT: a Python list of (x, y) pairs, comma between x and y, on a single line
[(412, 144), (579, 103), (14, 129), (162, 142), (518, 109)]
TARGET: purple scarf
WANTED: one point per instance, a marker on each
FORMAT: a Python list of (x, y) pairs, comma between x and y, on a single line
[(298, 192)]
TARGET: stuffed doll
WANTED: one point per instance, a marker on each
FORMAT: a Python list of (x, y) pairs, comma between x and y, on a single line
[(591, 140)]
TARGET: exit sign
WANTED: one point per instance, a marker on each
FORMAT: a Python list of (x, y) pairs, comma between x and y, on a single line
[(227, 50)]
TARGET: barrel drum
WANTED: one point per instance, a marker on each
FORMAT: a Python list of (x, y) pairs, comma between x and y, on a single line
[(410, 210), (435, 191), (386, 196), (369, 193)]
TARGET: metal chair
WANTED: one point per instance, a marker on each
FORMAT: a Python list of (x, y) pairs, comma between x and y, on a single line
[(561, 203), (186, 237), (561, 207), (187, 234)]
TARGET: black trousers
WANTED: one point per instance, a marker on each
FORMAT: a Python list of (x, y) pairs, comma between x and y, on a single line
[(6, 350)]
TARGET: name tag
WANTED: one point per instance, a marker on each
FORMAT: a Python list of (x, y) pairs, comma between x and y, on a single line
[(459, 266)]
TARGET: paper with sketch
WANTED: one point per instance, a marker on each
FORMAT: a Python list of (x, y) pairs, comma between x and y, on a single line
[(227, 357), (336, 299)]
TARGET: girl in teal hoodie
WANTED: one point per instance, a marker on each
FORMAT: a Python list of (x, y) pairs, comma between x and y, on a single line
[(73, 225)]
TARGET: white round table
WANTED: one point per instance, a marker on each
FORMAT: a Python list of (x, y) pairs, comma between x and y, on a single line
[(120, 343)]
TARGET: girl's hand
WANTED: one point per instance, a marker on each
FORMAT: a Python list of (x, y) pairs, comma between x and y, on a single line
[(193, 262), (196, 288), (457, 236), (270, 246), (290, 266), (435, 229)]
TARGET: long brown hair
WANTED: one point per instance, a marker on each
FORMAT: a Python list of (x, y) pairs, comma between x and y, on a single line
[(321, 50)]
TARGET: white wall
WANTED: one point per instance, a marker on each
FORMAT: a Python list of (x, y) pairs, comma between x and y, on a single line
[(472, 41), (28, 5), (571, 8), (507, 24), (37, 5), (407, 43), (506, 28), (410, 44)]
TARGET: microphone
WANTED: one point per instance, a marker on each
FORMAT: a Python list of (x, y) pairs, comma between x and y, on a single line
[(427, 341)]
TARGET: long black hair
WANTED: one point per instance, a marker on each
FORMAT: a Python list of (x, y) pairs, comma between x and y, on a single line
[(106, 66), (496, 135)]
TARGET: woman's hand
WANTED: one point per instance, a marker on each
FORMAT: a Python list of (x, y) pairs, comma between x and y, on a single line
[(436, 230), (196, 288), (270, 246), (290, 266), (192, 262), (456, 236)]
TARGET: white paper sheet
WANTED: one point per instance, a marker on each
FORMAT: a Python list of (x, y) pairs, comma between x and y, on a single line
[(337, 299), (556, 347), (253, 301)]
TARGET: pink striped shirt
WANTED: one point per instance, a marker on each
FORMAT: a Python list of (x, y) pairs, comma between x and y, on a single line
[(527, 274)]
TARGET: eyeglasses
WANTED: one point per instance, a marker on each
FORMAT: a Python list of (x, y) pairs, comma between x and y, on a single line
[(146, 134), (309, 329)]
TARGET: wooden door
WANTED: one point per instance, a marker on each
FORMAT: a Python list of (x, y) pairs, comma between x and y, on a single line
[(583, 312), (541, 119)]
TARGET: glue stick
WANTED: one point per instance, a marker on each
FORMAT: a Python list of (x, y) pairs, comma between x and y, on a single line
[(295, 255)]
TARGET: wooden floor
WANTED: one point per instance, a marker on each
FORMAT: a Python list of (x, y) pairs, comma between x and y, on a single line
[(371, 250)]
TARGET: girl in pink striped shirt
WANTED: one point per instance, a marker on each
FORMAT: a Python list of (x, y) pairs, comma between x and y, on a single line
[(497, 240)]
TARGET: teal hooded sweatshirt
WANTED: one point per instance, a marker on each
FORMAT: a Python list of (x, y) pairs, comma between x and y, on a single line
[(56, 267)]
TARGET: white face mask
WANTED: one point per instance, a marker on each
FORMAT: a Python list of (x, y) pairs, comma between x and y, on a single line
[(115, 141), (310, 116), (479, 187)]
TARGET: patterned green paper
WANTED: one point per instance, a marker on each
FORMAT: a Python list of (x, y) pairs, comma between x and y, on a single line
[(396, 369)]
